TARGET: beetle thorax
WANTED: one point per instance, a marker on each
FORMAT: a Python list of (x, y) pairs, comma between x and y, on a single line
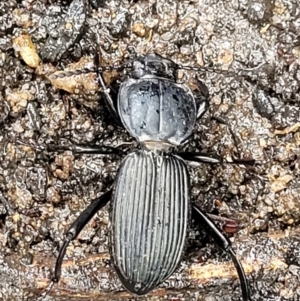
[(157, 111)]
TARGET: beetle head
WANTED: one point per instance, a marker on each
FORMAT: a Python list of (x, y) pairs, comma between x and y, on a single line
[(154, 64)]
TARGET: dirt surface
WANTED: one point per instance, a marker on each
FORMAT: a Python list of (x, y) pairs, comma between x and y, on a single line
[(42, 193)]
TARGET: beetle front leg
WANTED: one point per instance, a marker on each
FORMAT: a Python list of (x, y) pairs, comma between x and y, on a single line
[(73, 232), (106, 92), (201, 95), (224, 243), (108, 99)]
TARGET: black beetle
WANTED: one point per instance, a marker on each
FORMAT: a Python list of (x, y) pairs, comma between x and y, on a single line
[(151, 196)]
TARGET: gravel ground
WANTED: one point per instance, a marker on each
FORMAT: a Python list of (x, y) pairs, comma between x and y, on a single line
[(42, 193)]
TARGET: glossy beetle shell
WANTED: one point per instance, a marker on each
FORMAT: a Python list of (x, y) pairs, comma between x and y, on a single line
[(150, 216), (157, 109)]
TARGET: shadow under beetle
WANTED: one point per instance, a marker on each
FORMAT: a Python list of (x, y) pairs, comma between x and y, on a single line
[(151, 195)]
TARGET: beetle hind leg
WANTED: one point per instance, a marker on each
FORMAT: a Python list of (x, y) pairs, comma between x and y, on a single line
[(224, 243), (73, 232)]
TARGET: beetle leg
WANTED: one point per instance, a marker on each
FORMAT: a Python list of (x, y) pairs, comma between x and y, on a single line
[(201, 94), (212, 158), (85, 149), (224, 243), (201, 157), (106, 92), (77, 226), (108, 99), (73, 232), (75, 148)]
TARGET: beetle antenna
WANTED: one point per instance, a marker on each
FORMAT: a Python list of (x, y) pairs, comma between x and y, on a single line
[(202, 69), (243, 72), (115, 67), (90, 70)]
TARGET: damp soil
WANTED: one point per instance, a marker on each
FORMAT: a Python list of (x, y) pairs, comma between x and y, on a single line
[(254, 113)]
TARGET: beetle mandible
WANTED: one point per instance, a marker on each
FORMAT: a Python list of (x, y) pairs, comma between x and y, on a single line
[(151, 195)]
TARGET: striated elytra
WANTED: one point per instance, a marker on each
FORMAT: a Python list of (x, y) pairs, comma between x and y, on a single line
[(150, 217), (150, 198)]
